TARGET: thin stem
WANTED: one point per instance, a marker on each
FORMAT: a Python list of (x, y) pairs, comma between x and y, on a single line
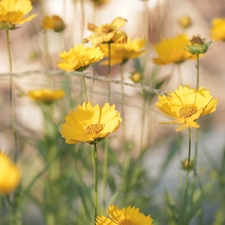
[(197, 68), (109, 72), (95, 180), (180, 79), (142, 122), (85, 88)]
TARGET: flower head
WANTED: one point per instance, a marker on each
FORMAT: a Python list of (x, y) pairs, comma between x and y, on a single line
[(185, 21), (90, 123), (46, 95), (172, 50), (136, 77), (185, 105), (107, 33), (124, 216), (13, 12), (79, 58), (53, 23), (121, 53), (217, 30), (10, 175)]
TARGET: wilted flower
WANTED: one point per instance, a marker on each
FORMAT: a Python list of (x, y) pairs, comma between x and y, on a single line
[(217, 31), (107, 33), (124, 216), (185, 21), (46, 95), (198, 45), (173, 50), (13, 12), (54, 23), (10, 175), (185, 105), (121, 53), (90, 123), (79, 58)]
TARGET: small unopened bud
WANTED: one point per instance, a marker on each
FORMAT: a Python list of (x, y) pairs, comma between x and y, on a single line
[(198, 46), (185, 21), (188, 165), (136, 77)]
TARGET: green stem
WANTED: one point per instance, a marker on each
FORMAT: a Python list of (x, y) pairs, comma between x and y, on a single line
[(197, 68), (105, 169), (95, 180), (142, 122), (85, 88), (109, 72), (180, 79)]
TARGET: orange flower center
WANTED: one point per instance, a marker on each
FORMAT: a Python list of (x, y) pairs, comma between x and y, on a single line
[(125, 222), (187, 111), (93, 129)]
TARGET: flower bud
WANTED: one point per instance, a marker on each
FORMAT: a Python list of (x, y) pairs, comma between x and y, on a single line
[(136, 77), (188, 165), (185, 21)]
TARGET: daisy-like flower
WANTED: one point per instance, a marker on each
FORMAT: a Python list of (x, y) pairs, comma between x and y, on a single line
[(173, 50), (10, 175), (54, 23), (185, 105), (90, 123), (46, 95), (107, 33), (217, 30), (124, 216), (79, 58), (13, 12), (121, 53)]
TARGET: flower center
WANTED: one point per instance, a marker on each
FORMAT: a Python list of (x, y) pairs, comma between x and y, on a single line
[(125, 222), (187, 111), (107, 29), (93, 129)]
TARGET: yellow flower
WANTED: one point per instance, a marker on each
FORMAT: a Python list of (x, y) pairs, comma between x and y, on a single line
[(90, 123), (124, 216), (136, 77), (10, 175), (121, 53), (185, 21), (79, 58), (173, 50), (53, 23), (46, 95), (185, 105), (13, 12), (217, 31), (107, 33)]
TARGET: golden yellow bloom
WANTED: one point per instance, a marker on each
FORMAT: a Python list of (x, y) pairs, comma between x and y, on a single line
[(46, 95), (53, 23), (173, 50), (121, 53), (217, 30), (79, 58), (90, 123), (13, 12), (10, 175), (124, 216), (185, 21), (136, 77), (185, 105), (107, 33)]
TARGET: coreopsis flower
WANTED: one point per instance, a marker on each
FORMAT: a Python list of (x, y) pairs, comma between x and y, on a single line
[(198, 45), (121, 53), (217, 30), (185, 105), (124, 216), (107, 33), (79, 58), (13, 12), (90, 123), (46, 95), (54, 23), (185, 21), (173, 50), (10, 175)]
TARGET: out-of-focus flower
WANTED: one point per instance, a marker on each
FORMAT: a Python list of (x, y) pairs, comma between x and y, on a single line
[(217, 30), (46, 95), (185, 21), (121, 53), (198, 45), (124, 216), (100, 2), (136, 77), (10, 175), (173, 50), (79, 58), (90, 123), (188, 166), (54, 23), (185, 105), (13, 12), (107, 33)]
